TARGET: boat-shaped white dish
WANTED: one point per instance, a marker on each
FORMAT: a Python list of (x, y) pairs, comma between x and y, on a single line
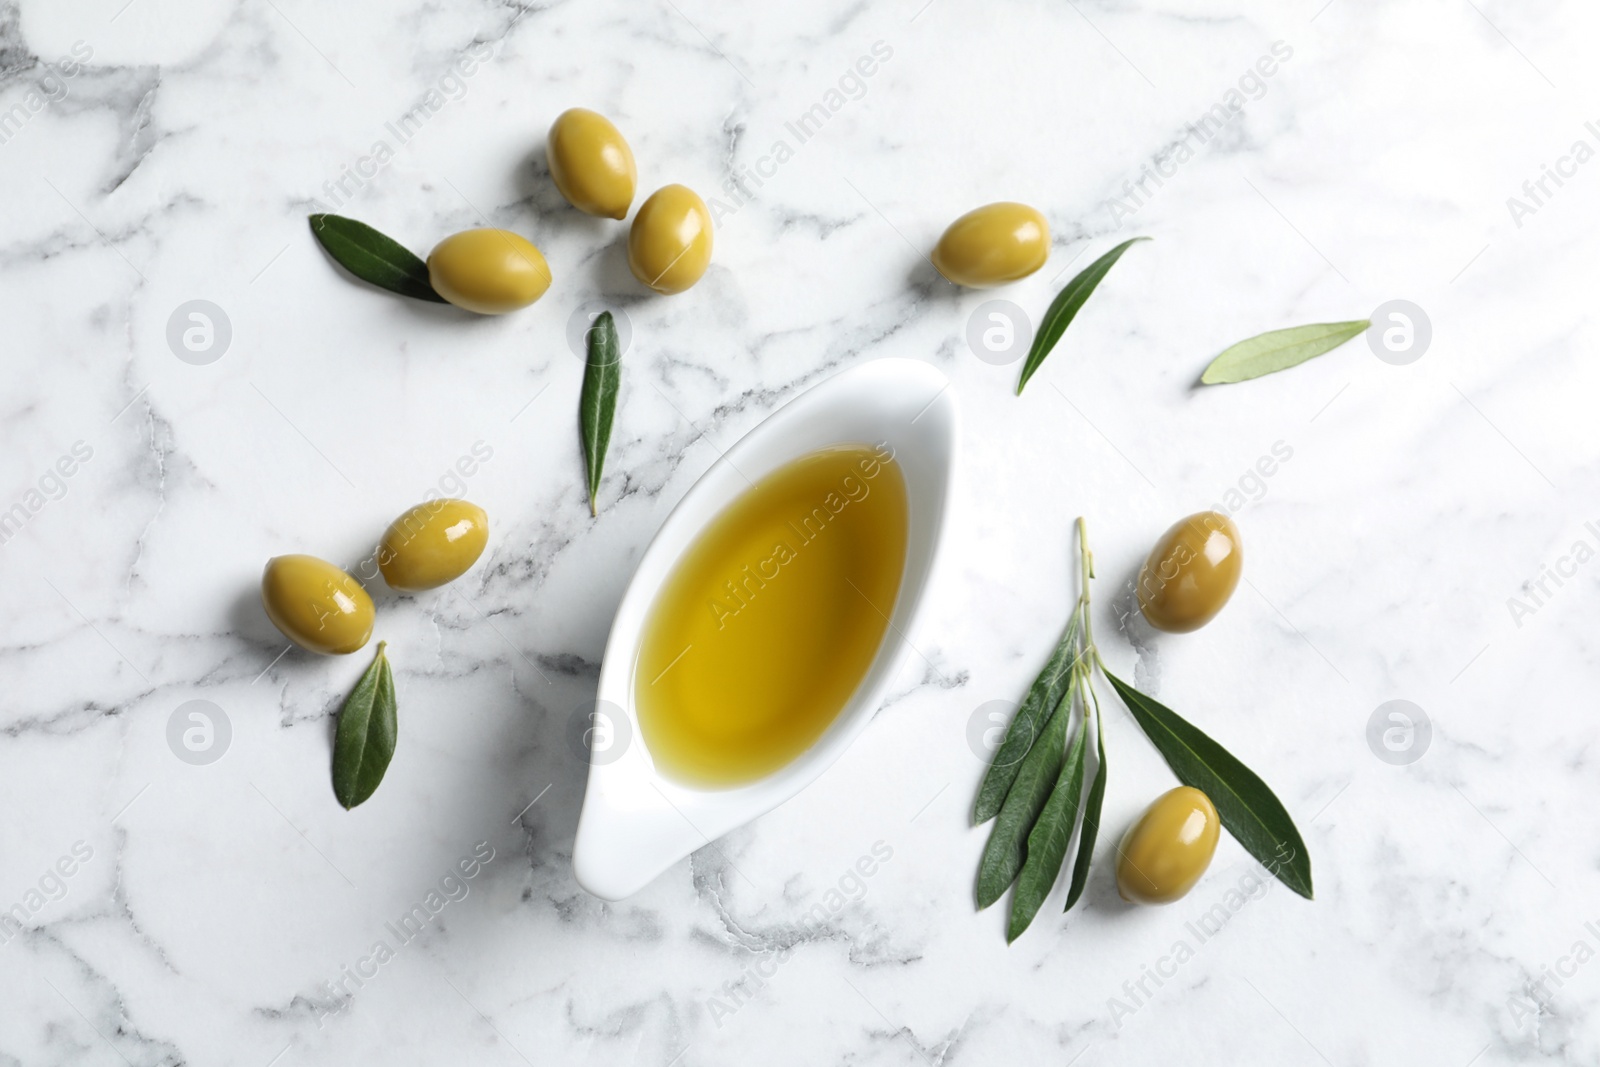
[(637, 822)]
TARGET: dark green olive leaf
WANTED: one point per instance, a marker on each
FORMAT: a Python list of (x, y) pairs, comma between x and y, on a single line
[(1065, 307), (1246, 806), (364, 743), (1007, 847), (1279, 350), (374, 258), (602, 374), (1051, 834), (1042, 698), (1091, 818)]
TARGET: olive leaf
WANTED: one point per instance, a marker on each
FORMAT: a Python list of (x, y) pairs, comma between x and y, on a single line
[(373, 257), (602, 373), (1065, 307), (1038, 790), (1246, 806), (364, 743), (1278, 350), (1051, 834), (1091, 816), (1041, 700), (1007, 847)]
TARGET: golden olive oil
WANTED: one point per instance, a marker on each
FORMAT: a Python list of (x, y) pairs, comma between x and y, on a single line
[(770, 620)]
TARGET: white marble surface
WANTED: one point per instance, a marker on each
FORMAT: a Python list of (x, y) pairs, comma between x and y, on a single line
[(216, 902)]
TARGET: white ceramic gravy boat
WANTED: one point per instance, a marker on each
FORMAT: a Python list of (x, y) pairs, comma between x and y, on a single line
[(637, 822)]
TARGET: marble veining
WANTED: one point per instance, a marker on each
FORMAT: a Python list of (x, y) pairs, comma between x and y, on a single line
[(1428, 538)]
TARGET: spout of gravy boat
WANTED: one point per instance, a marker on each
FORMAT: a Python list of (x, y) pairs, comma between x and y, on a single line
[(637, 822)]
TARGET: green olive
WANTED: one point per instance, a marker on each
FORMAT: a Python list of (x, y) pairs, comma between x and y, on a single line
[(488, 271), (1191, 572), (669, 246), (591, 163), (1164, 854), (995, 244), (317, 606), (431, 544)]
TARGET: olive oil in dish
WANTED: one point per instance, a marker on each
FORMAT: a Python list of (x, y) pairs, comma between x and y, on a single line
[(763, 631)]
